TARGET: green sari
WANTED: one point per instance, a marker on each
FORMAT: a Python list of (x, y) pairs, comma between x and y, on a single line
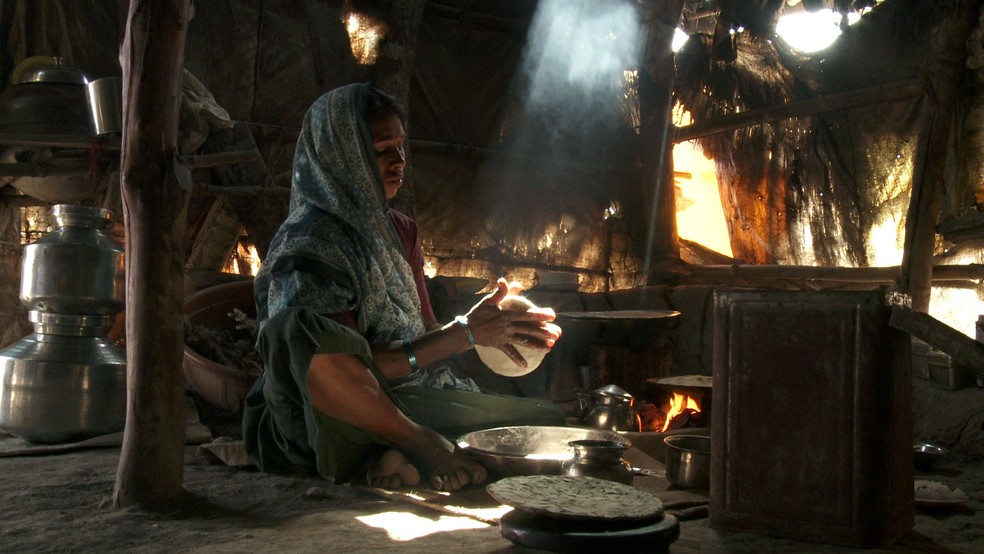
[(284, 433), (338, 252)]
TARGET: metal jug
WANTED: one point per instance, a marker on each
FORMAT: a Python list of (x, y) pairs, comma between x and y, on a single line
[(609, 407), (76, 268)]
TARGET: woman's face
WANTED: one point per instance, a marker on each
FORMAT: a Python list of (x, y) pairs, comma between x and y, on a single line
[(387, 142)]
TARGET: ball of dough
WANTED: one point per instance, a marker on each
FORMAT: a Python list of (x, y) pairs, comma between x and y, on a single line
[(497, 360)]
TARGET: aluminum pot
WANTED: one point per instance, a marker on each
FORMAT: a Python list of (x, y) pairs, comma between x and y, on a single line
[(76, 268), (64, 382), (688, 461)]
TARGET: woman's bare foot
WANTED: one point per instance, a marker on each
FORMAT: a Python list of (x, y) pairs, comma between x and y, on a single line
[(392, 470), (448, 468)]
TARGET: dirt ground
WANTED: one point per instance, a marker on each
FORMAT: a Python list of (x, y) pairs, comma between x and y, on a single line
[(59, 503)]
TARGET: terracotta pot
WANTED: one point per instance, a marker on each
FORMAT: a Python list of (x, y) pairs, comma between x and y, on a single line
[(220, 385)]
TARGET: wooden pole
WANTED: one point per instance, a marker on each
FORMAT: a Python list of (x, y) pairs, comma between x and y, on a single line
[(838, 101), (931, 152), (152, 57), (656, 71)]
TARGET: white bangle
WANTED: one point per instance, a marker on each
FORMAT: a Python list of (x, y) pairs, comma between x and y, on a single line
[(463, 321)]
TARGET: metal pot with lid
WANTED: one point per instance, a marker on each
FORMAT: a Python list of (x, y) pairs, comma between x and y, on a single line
[(48, 98), (609, 407)]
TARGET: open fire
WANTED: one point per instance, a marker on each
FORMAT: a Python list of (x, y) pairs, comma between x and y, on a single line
[(676, 402)]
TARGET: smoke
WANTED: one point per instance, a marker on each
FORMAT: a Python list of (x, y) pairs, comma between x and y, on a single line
[(579, 51)]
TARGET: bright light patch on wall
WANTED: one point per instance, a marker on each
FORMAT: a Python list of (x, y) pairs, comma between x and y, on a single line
[(679, 39), (700, 214), (811, 31), (364, 36), (884, 249), (702, 220), (957, 307), (404, 526)]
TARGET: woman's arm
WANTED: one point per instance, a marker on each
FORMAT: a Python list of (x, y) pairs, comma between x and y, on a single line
[(343, 388), (489, 325)]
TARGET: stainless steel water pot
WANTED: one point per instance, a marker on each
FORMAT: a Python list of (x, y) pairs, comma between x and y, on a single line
[(63, 383), (76, 268)]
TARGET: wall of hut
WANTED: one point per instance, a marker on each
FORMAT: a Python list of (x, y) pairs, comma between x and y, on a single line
[(505, 186)]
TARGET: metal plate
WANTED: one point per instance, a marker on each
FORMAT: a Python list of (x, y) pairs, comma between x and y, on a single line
[(620, 315)]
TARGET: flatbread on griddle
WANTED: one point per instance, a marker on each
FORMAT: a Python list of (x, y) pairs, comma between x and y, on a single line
[(575, 497)]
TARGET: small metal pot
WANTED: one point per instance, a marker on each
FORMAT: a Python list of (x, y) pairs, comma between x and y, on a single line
[(925, 455), (688, 461)]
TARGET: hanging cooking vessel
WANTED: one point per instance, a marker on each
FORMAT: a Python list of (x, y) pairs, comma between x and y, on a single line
[(47, 105), (47, 99)]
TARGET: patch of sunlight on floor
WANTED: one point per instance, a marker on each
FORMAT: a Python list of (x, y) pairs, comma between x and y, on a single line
[(404, 526)]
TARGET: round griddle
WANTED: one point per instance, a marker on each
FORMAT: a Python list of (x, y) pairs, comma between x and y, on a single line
[(584, 535)]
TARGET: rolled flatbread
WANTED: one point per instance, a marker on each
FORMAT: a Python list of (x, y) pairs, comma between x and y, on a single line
[(497, 360)]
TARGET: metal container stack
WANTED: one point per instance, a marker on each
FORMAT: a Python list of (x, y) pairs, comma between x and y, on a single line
[(67, 381)]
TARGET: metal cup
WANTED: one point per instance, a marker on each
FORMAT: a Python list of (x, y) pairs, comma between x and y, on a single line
[(106, 104)]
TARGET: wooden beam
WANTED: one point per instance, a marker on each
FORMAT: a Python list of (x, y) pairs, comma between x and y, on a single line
[(150, 470), (932, 144), (888, 92), (766, 274), (221, 158), (110, 142), (43, 169), (940, 336)]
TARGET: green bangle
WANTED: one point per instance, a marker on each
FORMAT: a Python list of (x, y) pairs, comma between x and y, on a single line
[(464, 325), (410, 356)]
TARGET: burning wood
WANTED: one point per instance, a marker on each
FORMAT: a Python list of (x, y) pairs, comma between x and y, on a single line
[(681, 411), (675, 402)]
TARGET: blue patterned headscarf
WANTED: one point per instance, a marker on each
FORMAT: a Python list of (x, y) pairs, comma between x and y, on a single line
[(338, 251)]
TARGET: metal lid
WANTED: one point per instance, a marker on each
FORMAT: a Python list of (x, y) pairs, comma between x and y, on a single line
[(54, 73)]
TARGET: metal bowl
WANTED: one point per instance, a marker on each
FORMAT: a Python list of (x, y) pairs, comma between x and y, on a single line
[(529, 449), (925, 455), (688, 461)]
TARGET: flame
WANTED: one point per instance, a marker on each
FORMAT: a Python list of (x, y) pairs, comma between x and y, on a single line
[(244, 261), (678, 404)]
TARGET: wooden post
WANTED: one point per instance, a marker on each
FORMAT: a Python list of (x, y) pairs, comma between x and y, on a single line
[(656, 124), (152, 58), (931, 152)]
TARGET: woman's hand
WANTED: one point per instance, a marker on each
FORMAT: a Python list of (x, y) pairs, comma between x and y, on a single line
[(498, 328)]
